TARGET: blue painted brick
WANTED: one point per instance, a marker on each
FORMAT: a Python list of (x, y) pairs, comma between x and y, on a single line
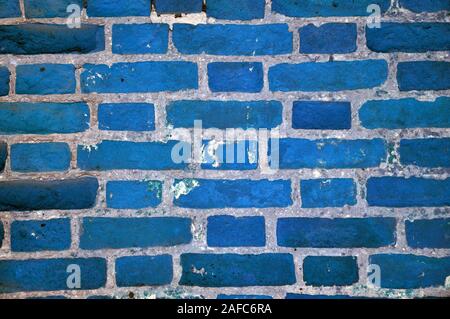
[(428, 233), (230, 39), (408, 192), (423, 75), (9, 9), (240, 193), (235, 77), (305, 296), (109, 155), (222, 296), (2, 234), (4, 81), (327, 8), (330, 270), (49, 8), (425, 5), (140, 38), (409, 37), (318, 115), (118, 8), (235, 9), (144, 271), (49, 274), (408, 271), (327, 76), (226, 270), (239, 155), (334, 192), (230, 231), (45, 79), (155, 76), (330, 153), (43, 118), (40, 157), (405, 113), (133, 194), (3, 155), (336, 233), (178, 6), (23, 195), (225, 114), (430, 152), (137, 117), (40, 235), (50, 38), (114, 233), (328, 38)]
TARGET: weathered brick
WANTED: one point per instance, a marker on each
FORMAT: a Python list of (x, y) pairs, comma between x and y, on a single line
[(223, 296), (178, 6), (290, 295), (140, 38), (330, 270), (9, 9), (408, 192), (230, 231), (321, 115), (235, 9), (428, 233), (3, 155), (23, 195), (4, 81), (423, 75), (225, 270), (240, 155), (133, 194), (40, 157), (45, 79), (430, 152), (49, 8), (225, 114), (43, 118), (328, 38), (114, 233), (266, 39), (137, 117), (332, 192), (50, 274), (328, 76), (40, 235), (425, 5), (144, 270), (118, 8), (240, 193), (235, 77), (2, 234)]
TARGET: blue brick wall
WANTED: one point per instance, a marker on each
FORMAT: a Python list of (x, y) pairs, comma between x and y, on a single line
[(325, 149)]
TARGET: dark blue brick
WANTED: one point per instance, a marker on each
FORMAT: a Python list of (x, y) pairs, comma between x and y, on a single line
[(235, 77), (334, 192), (140, 38), (405, 113), (411, 271), (327, 8), (178, 6), (49, 8), (43, 118), (330, 153), (225, 114), (330, 270), (155, 76), (10, 9), (99, 233), (2, 234), (409, 37), (3, 155), (328, 76), (304, 296), (137, 117), (428, 233), (109, 155), (236, 9), (40, 235), (230, 231), (431, 152), (318, 115), (331, 38), (50, 38), (408, 192), (229, 39), (222, 296), (226, 270), (4, 81), (49, 274), (40, 157), (144, 271), (336, 233), (423, 75), (241, 193), (242, 155), (426, 5), (45, 79), (118, 8), (133, 194), (23, 195)]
